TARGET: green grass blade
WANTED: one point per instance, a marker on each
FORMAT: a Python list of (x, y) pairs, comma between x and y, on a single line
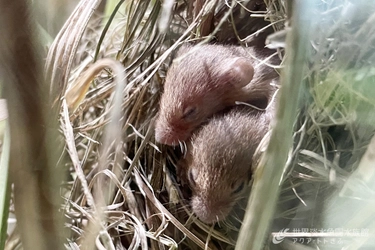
[(4, 169), (262, 202)]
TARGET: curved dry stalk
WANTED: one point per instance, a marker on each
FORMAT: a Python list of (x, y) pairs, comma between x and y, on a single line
[(111, 148), (77, 92), (63, 49)]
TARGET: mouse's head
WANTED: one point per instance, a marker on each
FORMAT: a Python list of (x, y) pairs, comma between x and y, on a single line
[(218, 164), (214, 191), (199, 83)]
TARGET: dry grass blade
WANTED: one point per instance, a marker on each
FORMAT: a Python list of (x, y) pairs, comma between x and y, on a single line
[(162, 209), (71, 148), (64, 47)]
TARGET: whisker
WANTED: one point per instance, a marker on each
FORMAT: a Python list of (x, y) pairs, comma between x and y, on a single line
[(250, 105), (236, 217), (185, 149), (218, 221), (229, 226)]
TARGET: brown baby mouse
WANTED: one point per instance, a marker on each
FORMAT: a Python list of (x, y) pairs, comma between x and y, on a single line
[(218, 164), (206, 79)]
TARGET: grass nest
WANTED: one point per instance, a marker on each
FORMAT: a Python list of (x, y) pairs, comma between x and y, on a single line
[(123, 192)]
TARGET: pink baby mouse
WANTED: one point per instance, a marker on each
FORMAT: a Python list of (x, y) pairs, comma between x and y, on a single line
[(219, 159), (206, 79)]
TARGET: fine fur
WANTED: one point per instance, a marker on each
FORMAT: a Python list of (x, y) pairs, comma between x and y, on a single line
[(207, 79), (219, 160)]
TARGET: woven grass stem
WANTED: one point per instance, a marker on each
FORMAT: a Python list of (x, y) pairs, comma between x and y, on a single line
[(267, 178)]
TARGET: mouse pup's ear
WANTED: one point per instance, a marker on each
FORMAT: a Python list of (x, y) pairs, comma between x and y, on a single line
[(237, 71)]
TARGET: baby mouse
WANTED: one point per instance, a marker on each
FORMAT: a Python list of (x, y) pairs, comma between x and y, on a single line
[(206, 79), (218, 164)]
